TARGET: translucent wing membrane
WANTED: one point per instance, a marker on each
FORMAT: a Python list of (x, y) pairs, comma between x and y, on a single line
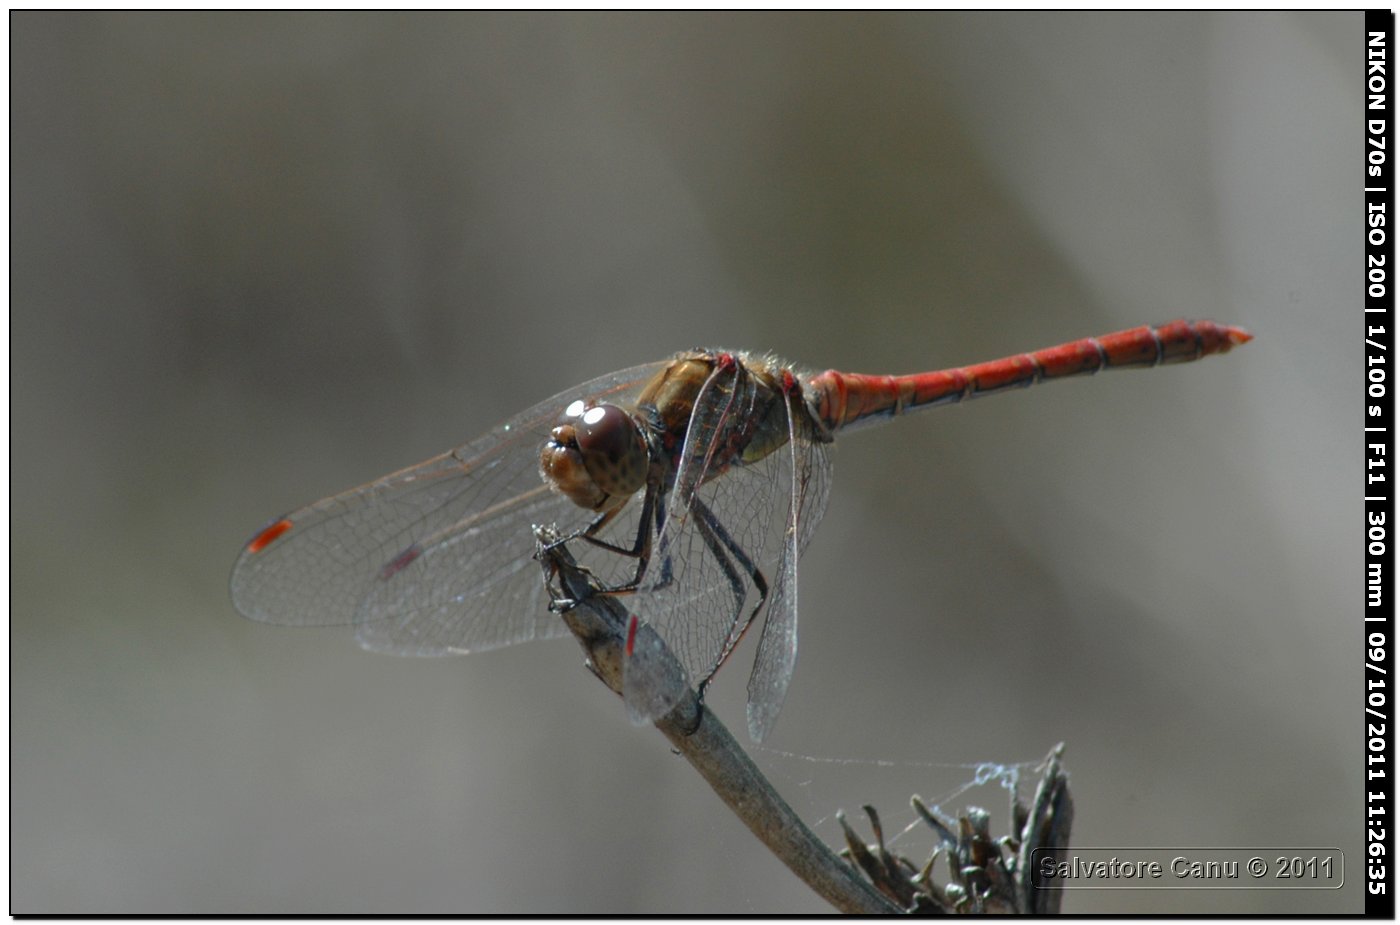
[(776, 658), (433, 559), (726, 557)]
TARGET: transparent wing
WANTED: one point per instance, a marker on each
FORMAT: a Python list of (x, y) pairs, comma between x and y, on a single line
[(433, 559), (777, 648), (728, 547)]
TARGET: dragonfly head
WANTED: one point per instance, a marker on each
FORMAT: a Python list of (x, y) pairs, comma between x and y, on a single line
[(596, 456)]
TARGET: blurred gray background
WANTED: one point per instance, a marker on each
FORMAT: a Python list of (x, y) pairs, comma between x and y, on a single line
[(257, 259)]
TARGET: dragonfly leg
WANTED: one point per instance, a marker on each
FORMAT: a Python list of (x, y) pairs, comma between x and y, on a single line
[(723, 546), (586, 533), (641, 547)]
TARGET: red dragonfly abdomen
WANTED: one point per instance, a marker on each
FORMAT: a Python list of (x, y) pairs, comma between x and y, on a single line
[(843, 400)]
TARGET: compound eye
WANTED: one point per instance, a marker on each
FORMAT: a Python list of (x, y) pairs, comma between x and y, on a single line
[(612, 448)]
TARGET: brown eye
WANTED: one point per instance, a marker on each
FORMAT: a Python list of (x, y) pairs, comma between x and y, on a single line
[(605, 430), (612, 449)]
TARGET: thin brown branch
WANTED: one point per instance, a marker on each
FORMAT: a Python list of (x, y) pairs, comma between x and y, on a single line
[(599, 622)]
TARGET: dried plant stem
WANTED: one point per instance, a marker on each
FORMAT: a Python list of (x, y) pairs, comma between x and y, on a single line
[(599, 622), (986, 875)]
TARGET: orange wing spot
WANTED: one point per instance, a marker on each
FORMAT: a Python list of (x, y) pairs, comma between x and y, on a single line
[(400, 562), (268, 535), (631, 634)]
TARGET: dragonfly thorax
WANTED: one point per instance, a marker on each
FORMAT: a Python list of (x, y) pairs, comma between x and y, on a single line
[(596, 456)]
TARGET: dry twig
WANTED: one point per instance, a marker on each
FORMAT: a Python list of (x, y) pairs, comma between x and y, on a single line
[(987, 875), (599, 622)]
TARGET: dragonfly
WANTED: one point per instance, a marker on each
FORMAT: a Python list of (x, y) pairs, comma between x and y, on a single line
[(689, 487)]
